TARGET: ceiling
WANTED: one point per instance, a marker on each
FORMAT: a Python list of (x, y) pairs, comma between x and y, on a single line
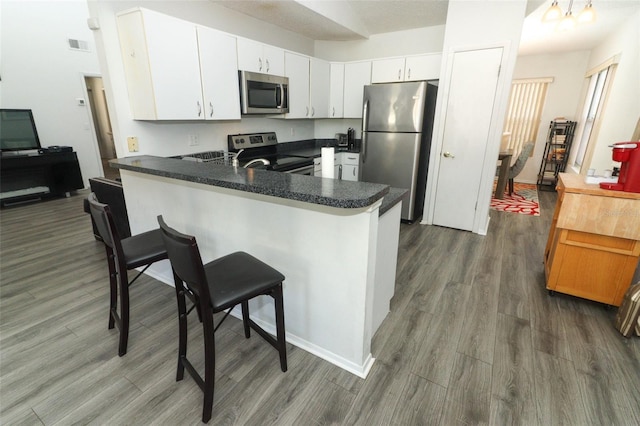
[(340, 20)]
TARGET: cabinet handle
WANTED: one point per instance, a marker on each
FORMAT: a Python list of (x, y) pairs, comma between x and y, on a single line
[(307, 112), (259, 64), (409, 74), (399, 73), (333, 111), (267, 62), (313, 111), (211, 106), (199, 108), (354, 171)]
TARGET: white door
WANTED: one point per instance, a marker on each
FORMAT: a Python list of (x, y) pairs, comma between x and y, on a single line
[(336, 90), (356, 76), (319, 86), (297, 69), (219, 75), (175, 67), (470, 102)]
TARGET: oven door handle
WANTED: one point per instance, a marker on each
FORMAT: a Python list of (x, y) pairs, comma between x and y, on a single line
[(301, 170)]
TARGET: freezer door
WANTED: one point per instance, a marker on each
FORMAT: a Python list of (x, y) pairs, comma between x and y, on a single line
[(394, 107), (392, 159)]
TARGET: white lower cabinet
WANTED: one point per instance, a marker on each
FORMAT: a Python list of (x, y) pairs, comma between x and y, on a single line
[(350, 165), (346, 166)]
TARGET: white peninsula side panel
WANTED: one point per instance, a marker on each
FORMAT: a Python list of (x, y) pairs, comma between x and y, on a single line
[(333, 300)]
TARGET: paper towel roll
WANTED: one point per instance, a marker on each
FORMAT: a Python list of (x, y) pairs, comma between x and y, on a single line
[(327, 162)]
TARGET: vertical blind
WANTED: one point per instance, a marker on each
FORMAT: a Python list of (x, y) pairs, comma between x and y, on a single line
[(525, 108)]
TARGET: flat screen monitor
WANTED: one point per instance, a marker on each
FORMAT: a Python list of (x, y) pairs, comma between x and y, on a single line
[(18, 130)]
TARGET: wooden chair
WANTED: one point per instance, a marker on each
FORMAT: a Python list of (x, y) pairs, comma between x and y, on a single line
[(214, 287), (123, 255)]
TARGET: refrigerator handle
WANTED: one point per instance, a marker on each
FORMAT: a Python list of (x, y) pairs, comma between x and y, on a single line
[(365, 128)]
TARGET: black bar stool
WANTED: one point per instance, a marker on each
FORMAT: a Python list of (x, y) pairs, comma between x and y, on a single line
[(123, 255), (220, 284)]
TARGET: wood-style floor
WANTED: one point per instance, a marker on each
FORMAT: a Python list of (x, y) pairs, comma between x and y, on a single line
[(472, 338)]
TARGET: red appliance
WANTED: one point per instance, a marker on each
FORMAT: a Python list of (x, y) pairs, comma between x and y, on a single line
[(627, 153)]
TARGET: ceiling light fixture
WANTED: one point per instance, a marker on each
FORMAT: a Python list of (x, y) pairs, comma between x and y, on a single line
[(587, 15), (552, 14), (568, 21)]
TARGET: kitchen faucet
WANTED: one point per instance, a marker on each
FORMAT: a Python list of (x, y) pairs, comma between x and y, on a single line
[(257, 160), (234, 159)]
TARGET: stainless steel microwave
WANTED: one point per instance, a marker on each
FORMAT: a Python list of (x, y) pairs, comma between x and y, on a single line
[(263, 93)]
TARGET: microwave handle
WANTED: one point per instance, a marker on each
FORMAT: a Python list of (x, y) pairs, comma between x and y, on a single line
[(280, 96)]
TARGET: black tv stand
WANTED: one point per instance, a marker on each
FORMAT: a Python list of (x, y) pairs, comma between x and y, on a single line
[(34, 176)]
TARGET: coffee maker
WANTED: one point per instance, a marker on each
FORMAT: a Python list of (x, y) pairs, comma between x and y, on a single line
[(628, 153)]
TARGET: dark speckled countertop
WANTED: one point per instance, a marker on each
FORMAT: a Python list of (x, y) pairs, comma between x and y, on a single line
[(328, 192)]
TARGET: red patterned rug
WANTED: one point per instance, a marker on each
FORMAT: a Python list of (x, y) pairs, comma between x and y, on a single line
[(524, 200)]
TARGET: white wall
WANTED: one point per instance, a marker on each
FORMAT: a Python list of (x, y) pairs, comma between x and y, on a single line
[(623, 106), (40, 72), (563, 95), (399, 43), (475, 25), (171, 138)]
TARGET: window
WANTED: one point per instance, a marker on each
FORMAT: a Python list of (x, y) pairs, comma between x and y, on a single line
[(525, 109), (591, 108)]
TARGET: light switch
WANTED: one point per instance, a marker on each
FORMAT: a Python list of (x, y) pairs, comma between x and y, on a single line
[(132, 141)]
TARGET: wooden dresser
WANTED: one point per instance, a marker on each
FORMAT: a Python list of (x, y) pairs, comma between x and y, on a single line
[(594, 241)]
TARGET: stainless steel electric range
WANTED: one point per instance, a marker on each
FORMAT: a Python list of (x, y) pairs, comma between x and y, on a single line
[(256, 150)]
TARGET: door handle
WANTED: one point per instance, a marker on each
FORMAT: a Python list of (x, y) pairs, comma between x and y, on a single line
[(447, 154), (365, 129)]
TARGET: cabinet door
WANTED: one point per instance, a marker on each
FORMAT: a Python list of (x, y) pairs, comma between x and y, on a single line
[(250, 56), (319, 83), (349, 172), (356, 76), (423, 67), (219, 74), (297, 69), (273, 60), (160, 55), (336, 90), (387, 70), (350, 166)]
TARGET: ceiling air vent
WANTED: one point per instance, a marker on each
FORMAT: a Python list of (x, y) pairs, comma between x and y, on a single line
[(82, 45)]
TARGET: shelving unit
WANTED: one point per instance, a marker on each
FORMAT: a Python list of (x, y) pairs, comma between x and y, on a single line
[(556, 153)]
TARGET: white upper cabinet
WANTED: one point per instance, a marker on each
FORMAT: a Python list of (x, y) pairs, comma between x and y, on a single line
[(219, 74), (356, 76), (164, 69), (319, 88), (297, 70), (336, 90), (411, 68), (258, 57), (160, 56), (308, 86), (387, 70), (422, 67)]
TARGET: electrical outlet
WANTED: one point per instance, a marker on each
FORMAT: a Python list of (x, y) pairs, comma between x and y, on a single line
[(132, 141), (193, 140)]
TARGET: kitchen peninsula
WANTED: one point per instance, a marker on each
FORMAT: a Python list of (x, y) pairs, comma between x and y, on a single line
[(335, 241)]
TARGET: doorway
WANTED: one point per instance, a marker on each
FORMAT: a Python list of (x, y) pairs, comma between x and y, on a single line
[(102, 124)]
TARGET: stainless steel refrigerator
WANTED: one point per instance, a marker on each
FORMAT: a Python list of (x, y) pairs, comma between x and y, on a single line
[(397, 122)]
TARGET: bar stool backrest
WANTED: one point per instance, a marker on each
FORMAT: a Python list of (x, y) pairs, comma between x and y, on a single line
[(185, 260)]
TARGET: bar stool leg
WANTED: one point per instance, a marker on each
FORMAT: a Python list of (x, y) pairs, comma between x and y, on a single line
[(245, 318), (280, 333)]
